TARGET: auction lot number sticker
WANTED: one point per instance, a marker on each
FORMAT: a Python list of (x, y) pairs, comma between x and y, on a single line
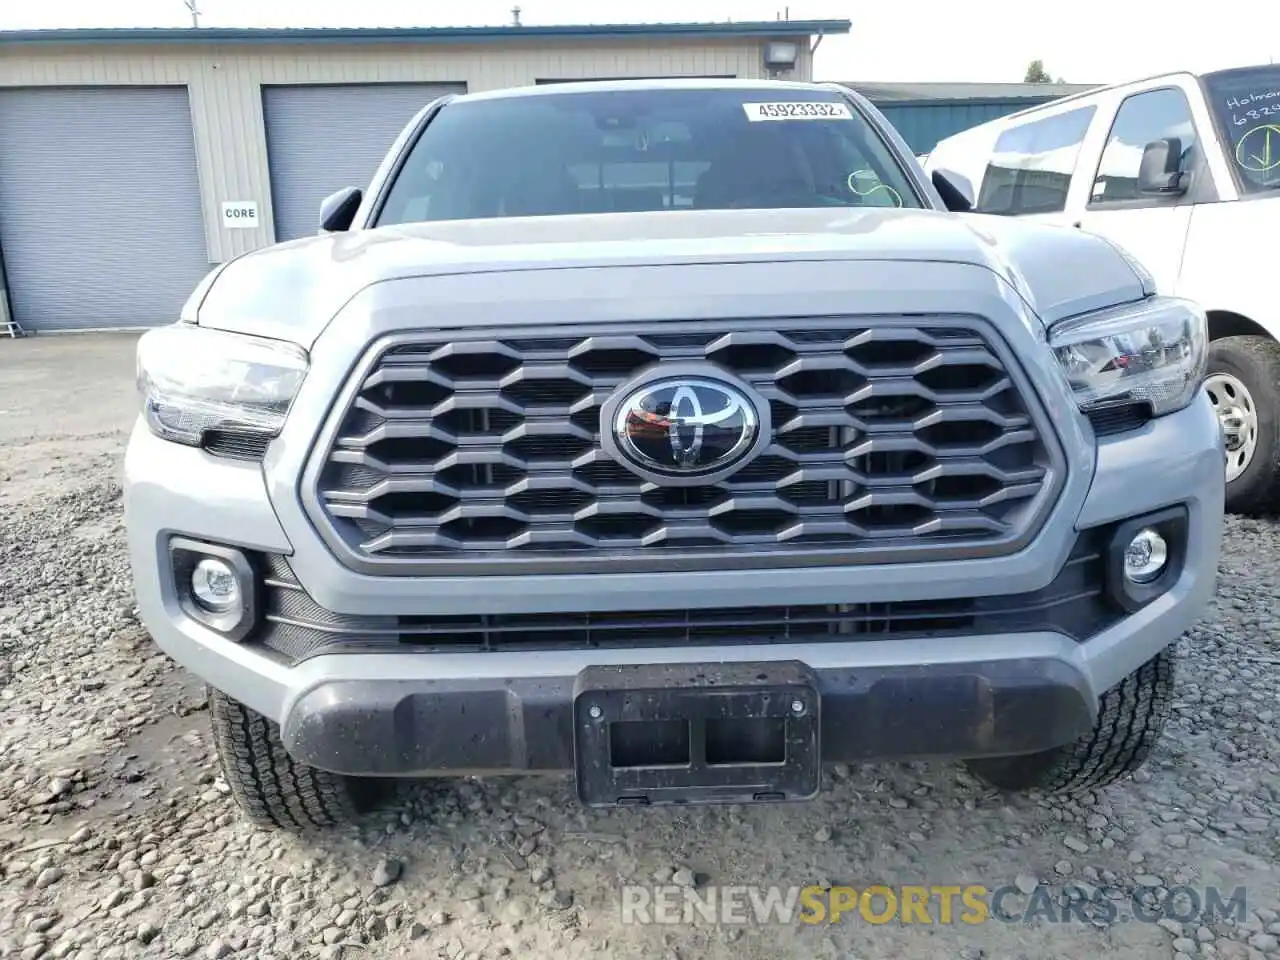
[(797, 110)]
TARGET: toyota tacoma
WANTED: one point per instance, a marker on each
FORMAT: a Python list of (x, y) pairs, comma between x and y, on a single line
[(680, 436)]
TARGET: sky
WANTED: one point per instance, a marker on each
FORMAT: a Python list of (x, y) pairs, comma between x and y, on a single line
[(1100, 41)]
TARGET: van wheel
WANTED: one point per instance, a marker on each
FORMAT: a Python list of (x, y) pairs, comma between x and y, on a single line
[(1243, 384)]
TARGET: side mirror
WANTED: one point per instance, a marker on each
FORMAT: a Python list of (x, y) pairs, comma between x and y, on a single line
[(338, 210), (955, 190), (1159, 173)]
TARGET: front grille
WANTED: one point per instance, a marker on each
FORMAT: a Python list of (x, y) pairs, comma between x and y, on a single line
[(892, 439), (1074, 604)]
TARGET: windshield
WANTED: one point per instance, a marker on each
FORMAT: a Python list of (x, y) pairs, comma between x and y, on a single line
[(645, 150), (1246, 108)]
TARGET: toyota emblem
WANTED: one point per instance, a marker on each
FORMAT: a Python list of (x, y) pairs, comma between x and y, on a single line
[(691, 427)]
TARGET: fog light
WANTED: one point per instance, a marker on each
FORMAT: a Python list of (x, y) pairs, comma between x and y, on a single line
[(215, 586), (1145, 556)]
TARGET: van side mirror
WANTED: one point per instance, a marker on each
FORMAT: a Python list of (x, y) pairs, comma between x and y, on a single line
[(338, 210), (955, 190), (1160, 173)]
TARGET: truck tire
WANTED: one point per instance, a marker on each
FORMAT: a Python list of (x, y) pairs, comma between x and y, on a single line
[(1243, 384), (269, 786), (1131, 718)]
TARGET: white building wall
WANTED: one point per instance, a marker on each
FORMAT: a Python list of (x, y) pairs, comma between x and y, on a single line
[(225, 81)]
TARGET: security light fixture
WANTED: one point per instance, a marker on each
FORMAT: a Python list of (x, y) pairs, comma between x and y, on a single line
[(780, 55)]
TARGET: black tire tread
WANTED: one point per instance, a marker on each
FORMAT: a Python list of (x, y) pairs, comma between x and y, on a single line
[(1131, 719), (269, 786)]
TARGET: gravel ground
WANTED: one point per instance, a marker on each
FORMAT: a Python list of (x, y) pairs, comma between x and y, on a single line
[(118, 839)]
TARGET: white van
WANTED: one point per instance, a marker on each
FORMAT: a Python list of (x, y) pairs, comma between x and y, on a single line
[(1183, 172)]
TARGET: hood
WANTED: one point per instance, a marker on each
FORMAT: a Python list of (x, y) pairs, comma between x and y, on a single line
[(292, 290)]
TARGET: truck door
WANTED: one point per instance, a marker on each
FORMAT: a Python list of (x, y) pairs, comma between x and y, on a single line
[(1153, 228)]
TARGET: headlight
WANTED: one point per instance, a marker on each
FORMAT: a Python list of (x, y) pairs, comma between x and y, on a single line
[(1153, 351), (193, 380)]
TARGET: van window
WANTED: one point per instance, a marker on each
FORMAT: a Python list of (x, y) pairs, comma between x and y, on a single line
[(1142, 118), (1245, 104), (1030, 170)]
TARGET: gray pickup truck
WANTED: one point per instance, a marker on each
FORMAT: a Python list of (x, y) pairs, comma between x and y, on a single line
[(682, 437)]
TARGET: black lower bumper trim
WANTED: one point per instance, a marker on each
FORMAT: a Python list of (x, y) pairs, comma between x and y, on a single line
[(434, 727)]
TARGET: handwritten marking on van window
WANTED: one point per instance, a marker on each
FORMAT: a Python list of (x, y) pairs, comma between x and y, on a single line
[(797, 110), (1235, 103), (1253, 116), (1259, 150), (1253, 106)]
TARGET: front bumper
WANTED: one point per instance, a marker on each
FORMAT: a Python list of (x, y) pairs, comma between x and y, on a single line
[(414, 713), (421, 726)]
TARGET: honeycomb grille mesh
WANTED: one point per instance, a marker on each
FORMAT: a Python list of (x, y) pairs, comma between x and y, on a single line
[(486, 447)]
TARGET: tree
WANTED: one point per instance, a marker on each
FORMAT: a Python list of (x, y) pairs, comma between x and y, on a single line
[(1036, 73)]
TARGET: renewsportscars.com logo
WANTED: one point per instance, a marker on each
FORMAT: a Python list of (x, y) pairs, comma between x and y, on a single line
[(931, 904)]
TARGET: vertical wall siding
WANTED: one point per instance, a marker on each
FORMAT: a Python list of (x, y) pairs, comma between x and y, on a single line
[(804, 65), (226, 99)]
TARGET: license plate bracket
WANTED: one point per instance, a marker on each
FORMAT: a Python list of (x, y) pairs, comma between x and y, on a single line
[(697, 733)]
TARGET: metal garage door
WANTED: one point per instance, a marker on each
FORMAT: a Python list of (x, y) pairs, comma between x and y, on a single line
[(323, 138), (99, 205)]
